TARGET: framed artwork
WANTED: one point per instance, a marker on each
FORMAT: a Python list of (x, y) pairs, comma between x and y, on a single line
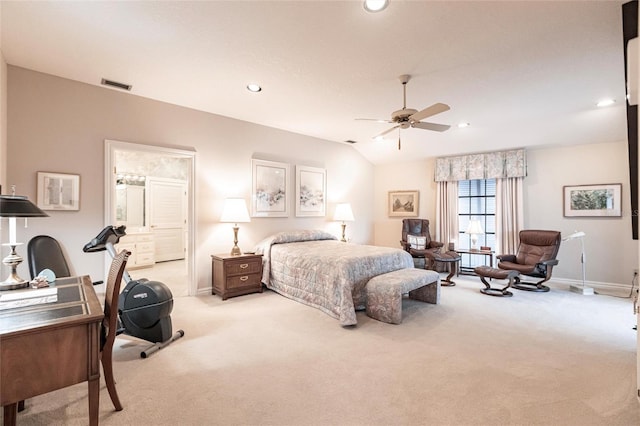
[(593, 200), (403, 203), (58, 191), (269, 189), (311, 191)]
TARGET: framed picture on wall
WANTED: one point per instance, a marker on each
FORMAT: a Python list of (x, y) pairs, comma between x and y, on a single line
[(269, 189), (58, 191), (403, 203), (593, 200), (311, 191)]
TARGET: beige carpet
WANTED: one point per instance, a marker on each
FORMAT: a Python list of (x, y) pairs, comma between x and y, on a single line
[(557, 358)]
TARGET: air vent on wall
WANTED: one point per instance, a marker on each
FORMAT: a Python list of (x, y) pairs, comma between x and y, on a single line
[(350, 141), (116, 84)]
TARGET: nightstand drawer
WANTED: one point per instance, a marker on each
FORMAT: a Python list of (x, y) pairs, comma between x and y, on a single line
[(244, 267), (237, 281)]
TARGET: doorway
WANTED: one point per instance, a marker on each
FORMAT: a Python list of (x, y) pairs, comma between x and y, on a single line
[(167, 214)]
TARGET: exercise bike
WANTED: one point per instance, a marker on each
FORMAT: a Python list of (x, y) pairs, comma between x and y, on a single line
[(144, 306)]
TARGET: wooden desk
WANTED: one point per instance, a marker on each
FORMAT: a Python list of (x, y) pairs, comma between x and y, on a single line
[(50, 346)]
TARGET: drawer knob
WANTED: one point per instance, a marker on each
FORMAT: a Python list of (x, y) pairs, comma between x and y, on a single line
[(245, 278), (244, 266)]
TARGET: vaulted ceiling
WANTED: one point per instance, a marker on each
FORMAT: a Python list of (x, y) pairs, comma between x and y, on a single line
[(522, 73)]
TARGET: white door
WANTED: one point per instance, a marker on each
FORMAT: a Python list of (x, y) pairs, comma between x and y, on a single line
[(167, 217)]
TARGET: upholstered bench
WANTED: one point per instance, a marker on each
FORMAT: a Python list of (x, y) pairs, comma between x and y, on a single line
[(384, 292), (500, 274)]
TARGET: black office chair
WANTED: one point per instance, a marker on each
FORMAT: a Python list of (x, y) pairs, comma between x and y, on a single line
[(44, 252)]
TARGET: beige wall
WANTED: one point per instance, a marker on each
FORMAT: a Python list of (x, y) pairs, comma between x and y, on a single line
[(611, 253), (59, 125), (3, 124)]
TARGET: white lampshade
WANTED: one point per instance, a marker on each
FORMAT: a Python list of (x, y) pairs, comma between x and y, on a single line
[(474, 228), (235, 211), (343, 213)]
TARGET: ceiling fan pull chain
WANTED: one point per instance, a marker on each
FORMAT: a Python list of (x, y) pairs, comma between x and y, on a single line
[(398, 139)]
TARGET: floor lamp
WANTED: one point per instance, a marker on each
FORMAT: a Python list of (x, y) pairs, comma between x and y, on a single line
[(574, 288)]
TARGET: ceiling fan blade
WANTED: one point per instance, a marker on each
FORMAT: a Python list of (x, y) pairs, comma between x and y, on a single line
[(379, 120), (387, 131), (429, 111), (431, 126)]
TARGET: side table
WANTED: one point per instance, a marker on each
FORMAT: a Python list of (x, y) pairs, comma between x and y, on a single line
[(465, 270), (236, 275), (451, 258)]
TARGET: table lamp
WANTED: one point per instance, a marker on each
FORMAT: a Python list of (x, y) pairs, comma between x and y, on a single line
[(235, 211), (343, 212), (474, 229), (12, 207)]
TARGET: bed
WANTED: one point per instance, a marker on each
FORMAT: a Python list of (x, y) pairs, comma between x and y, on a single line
[(314, 268)]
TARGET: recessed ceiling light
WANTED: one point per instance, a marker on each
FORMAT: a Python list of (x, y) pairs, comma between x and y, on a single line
[(375, 5), (606, 102), (463, 125), (253, 87)]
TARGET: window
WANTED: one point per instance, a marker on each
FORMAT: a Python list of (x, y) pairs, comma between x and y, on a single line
[(476, 201)]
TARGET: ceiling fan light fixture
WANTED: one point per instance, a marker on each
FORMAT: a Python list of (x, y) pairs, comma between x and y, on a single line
[(375, 5), (605, 103), (254, 87)]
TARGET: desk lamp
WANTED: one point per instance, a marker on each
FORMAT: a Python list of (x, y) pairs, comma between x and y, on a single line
[(343, 213), (474, 230), (14, 206), (235, 211)]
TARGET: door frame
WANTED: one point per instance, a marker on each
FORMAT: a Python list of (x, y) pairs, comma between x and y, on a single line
[(110, 148)]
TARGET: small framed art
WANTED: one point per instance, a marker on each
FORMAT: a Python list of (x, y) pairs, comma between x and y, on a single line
[(593, 200), (403, 203), (270, 189), (311, 191), (58, 191)]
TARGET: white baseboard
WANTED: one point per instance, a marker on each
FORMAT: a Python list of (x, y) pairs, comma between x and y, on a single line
[(617, 289)]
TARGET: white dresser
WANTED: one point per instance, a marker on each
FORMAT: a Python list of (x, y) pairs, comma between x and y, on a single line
[(142, 248)]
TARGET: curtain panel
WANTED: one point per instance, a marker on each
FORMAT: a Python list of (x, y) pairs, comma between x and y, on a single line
[(491, 165)]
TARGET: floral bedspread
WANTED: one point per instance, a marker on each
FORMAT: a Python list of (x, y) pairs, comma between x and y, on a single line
[(313, 268)]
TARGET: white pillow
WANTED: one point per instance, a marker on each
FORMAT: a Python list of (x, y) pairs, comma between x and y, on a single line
[(417, 242)]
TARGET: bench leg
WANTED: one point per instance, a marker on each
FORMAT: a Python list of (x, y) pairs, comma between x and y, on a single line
[(429, 293), (385, 307)]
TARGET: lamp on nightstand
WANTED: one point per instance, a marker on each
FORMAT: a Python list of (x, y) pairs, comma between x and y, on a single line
[(235, 211), (343, 213)]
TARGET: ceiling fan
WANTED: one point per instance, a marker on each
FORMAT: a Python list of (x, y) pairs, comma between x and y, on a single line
[(408, 117)]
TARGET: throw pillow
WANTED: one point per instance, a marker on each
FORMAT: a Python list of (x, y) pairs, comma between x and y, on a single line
[(417, 242)]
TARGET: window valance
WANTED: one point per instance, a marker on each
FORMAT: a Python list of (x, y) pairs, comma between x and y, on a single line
[(490, 165)]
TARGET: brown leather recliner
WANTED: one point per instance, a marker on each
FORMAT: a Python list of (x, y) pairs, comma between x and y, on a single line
[(536, 258), (418, 227)]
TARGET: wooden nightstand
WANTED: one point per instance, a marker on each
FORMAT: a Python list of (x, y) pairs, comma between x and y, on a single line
[(236, 275)]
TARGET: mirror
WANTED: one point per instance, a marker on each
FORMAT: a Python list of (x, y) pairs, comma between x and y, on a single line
[(130, 201)]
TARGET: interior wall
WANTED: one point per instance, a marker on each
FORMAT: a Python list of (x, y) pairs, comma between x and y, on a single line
[(59, 125), (611, 253), (407, 176), (3, 124)]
